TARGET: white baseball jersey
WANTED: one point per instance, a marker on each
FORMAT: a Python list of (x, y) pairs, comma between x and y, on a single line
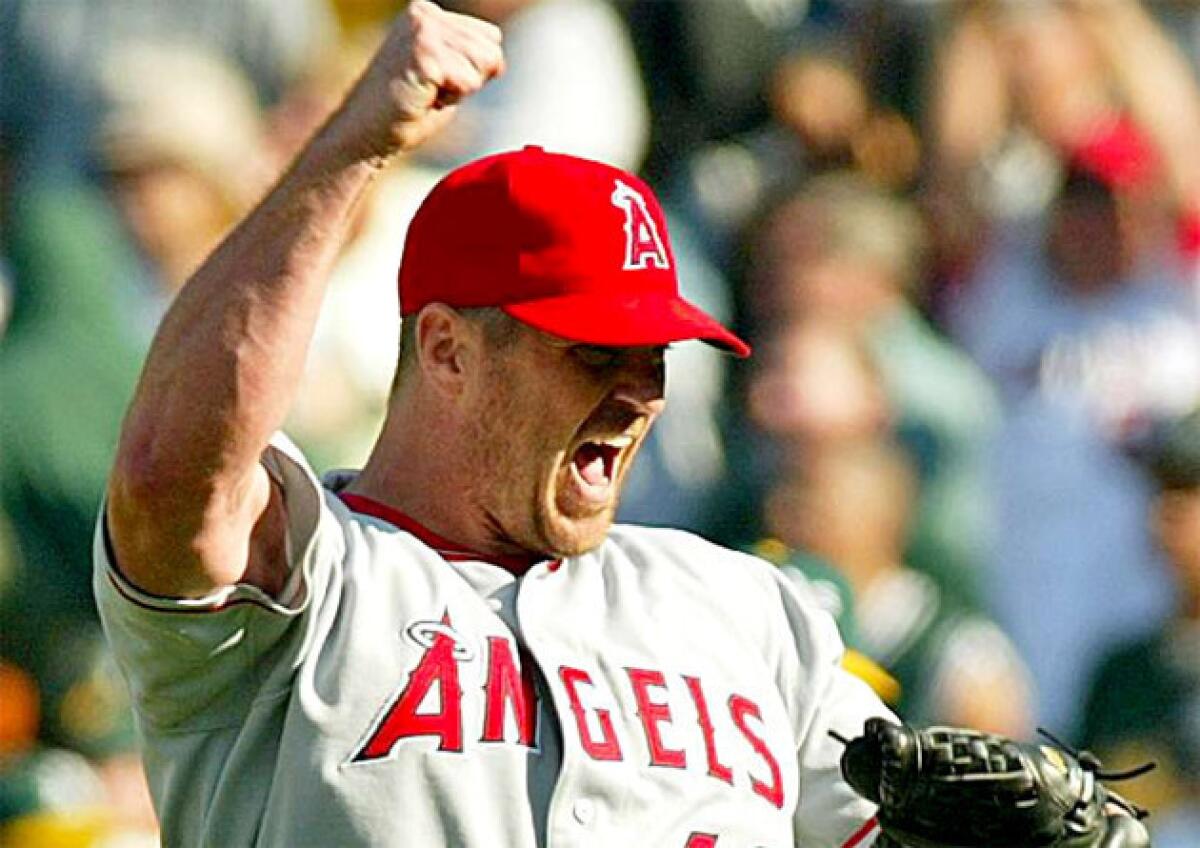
[(658, 691)]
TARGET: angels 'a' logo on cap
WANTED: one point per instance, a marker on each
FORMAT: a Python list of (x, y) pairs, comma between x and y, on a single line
[(643, 245)]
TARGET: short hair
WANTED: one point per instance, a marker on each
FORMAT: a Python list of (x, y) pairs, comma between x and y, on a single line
[(500, 332)]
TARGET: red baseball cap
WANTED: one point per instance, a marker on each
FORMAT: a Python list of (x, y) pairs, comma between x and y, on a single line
[(572, 247)]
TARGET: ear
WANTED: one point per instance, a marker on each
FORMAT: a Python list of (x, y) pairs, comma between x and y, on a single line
[(447, 348)]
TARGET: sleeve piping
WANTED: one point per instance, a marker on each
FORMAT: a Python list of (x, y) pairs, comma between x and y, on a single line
[(859, 836)]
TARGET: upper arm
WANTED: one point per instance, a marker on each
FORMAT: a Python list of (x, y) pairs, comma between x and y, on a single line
[(175, 542), (194, 656)]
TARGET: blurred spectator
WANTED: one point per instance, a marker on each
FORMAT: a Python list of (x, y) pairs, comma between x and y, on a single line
[(92, 274), (1144, 696), (705, 68), (810, 382), (181, 146), (850, 503), (1081, 362), (52, 55), (844, 253), (814, 389), (815, 383), (66, 363), (1025, 90), (821, 120), (1017, 83), (1083, 319), (90, 287)]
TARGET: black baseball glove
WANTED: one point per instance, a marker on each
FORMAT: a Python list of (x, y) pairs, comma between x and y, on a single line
[(949, 787)]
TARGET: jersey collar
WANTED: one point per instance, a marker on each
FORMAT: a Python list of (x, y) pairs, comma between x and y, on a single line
[(450, 551)]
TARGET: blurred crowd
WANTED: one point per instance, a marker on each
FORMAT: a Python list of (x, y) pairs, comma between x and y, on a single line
[(963, 237)]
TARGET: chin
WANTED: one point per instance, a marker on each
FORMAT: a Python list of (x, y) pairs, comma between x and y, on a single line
[(574, 536)]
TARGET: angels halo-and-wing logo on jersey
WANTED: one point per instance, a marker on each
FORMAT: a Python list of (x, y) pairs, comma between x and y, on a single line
[(508, 692), (644, 247), (425, 633)]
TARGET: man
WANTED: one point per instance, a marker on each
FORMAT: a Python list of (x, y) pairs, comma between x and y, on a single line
[(453, 646)]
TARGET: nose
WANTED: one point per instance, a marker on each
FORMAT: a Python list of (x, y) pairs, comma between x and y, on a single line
[(642, 380)]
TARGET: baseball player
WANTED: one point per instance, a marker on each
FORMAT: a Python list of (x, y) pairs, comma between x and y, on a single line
[(454, 645)]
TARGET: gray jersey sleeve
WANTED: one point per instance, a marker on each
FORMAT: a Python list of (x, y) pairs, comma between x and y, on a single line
[(202, 663), (822, 696)]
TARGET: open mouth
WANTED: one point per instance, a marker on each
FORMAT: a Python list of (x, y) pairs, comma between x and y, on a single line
[(596, 464)]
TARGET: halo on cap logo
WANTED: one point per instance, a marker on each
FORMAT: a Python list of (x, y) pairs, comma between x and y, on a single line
[(643, 245)]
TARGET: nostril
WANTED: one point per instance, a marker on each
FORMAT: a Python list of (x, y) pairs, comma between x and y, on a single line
[(645, 397)]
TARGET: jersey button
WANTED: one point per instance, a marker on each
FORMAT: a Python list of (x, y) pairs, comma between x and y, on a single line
[(584, 811)]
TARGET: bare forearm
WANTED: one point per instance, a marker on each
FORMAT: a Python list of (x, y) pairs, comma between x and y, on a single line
[(223, 368)]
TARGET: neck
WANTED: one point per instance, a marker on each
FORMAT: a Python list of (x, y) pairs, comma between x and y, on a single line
[(416, 469)]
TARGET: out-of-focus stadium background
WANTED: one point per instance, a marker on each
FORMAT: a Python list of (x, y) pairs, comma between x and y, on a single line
[(962, 235)]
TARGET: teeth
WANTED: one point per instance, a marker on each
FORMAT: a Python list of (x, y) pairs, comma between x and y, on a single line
[(619, 442)]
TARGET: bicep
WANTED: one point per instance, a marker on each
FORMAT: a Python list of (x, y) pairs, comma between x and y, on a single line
[(173, 542)]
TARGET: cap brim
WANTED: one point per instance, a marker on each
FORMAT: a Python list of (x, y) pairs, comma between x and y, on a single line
[(632, 320)]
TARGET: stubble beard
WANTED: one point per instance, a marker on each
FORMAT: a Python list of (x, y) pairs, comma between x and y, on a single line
[(564, 536), (538, 525), (581, 535)]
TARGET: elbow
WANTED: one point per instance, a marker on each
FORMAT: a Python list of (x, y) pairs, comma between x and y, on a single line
[(156, 518), (144, 477), (132, 477)]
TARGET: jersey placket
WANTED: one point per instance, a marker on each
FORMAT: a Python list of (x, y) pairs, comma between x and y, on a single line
[(578, 813)]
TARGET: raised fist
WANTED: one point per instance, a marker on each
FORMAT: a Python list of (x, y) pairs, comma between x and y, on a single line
[(430, 59)]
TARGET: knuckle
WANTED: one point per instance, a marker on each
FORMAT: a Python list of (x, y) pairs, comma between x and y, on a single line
[(422, 8)]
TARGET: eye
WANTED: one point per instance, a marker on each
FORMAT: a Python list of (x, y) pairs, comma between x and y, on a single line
[(601, 357), (598, 356)]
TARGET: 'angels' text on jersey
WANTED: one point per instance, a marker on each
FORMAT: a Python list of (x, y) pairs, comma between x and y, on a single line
[(429, 705)]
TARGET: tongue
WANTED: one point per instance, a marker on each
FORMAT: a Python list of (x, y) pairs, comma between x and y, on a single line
[(589, 459)]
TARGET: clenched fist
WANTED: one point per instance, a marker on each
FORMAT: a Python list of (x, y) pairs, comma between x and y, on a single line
[(429, 61)]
